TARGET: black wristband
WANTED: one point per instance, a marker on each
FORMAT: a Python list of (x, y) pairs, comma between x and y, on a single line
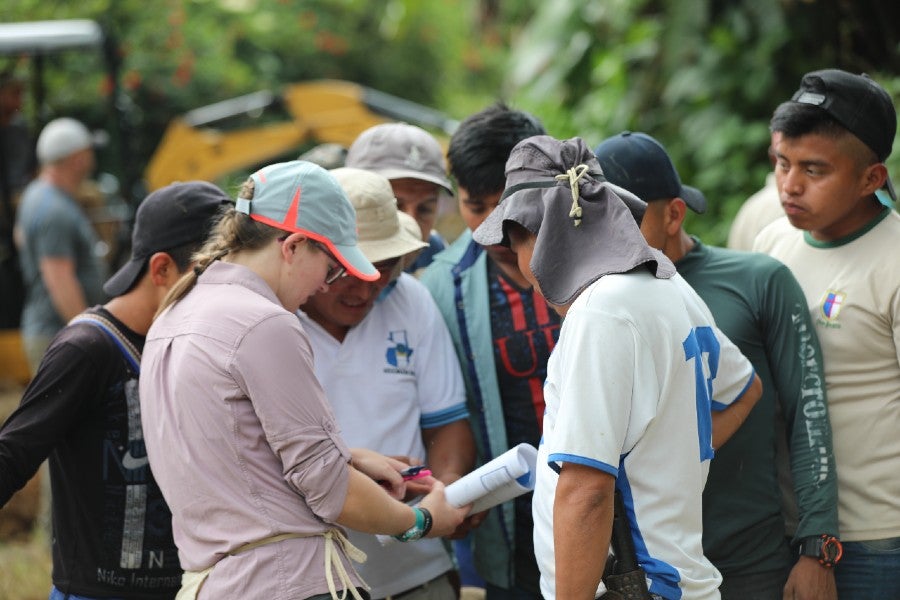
[(420, 528), (428, 521)]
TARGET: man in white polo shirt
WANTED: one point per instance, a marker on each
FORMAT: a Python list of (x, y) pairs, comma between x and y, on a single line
[(386, 362)]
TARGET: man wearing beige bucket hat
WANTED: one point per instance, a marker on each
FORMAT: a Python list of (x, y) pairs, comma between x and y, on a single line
[(386, 362)]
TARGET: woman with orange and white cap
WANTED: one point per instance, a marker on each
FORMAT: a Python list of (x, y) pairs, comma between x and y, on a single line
[(238, 430)]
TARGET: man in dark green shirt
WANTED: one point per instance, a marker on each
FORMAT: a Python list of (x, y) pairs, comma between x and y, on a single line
[(760, 306)]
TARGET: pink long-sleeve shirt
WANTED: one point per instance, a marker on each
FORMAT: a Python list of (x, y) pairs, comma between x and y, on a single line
[(241, 438)]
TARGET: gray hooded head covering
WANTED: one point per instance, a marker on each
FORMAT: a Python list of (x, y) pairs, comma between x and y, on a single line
[(585, 226)]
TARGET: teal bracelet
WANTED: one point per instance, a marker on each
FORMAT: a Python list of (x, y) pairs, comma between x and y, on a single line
[(420, 528)]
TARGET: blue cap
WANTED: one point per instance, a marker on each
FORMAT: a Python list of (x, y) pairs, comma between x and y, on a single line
[(640, 164), (302, 197)]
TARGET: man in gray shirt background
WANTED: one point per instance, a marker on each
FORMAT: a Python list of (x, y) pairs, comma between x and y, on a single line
[(56, 242)]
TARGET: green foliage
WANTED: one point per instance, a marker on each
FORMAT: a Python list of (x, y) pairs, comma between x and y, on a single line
[(702, 76), (181, 54)]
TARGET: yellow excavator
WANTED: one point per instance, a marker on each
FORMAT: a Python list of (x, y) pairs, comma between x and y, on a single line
[(207, 143), (194, 147)]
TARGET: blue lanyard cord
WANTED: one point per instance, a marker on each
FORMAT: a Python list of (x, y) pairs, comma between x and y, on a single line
[(131, 354)]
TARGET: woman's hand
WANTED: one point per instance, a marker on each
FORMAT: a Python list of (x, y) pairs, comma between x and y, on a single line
[(471, 522), (383, 469), (445, 518), (419, 487)]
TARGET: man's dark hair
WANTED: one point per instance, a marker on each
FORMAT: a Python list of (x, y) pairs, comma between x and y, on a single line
[(794, 120), (482, 143), (181, 255)]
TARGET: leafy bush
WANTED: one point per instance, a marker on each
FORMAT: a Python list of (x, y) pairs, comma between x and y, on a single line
[(702, 76)]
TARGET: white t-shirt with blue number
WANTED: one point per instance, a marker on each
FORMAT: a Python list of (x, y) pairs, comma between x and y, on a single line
[(630, 385)]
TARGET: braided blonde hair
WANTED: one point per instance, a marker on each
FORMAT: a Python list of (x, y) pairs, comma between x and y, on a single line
[(235, 231)]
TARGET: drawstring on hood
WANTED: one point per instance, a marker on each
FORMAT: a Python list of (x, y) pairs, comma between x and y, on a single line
[(605, 238)]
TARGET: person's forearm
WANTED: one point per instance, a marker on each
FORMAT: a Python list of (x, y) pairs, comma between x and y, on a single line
[(26, 440), (726, 422), (369, 509), (582, 527), (450, 450), (14, 471), (804, 404)]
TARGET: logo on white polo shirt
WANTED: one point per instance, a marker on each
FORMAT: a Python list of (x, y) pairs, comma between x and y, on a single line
[(398, 353)]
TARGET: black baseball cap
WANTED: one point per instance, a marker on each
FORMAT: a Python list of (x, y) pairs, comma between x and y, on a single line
[(178, 214), (857, 102), (637, 162)]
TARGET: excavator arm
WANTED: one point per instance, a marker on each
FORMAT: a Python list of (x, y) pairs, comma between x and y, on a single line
[(198, 145)]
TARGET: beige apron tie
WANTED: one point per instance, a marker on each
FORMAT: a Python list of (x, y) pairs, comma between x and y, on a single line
[(192, 581), (354, 553)]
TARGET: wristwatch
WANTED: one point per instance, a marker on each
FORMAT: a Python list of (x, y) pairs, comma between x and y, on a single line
[(825, 548)]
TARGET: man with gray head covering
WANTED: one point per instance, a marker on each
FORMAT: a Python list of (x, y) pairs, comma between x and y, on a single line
[(641, 386), (386, 362), (760, 306)]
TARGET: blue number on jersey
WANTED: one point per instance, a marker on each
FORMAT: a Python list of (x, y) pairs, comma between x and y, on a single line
[(702, 340)]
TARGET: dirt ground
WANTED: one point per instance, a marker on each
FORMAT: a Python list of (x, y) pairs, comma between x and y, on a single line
[(24, 551), (17, 517)]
